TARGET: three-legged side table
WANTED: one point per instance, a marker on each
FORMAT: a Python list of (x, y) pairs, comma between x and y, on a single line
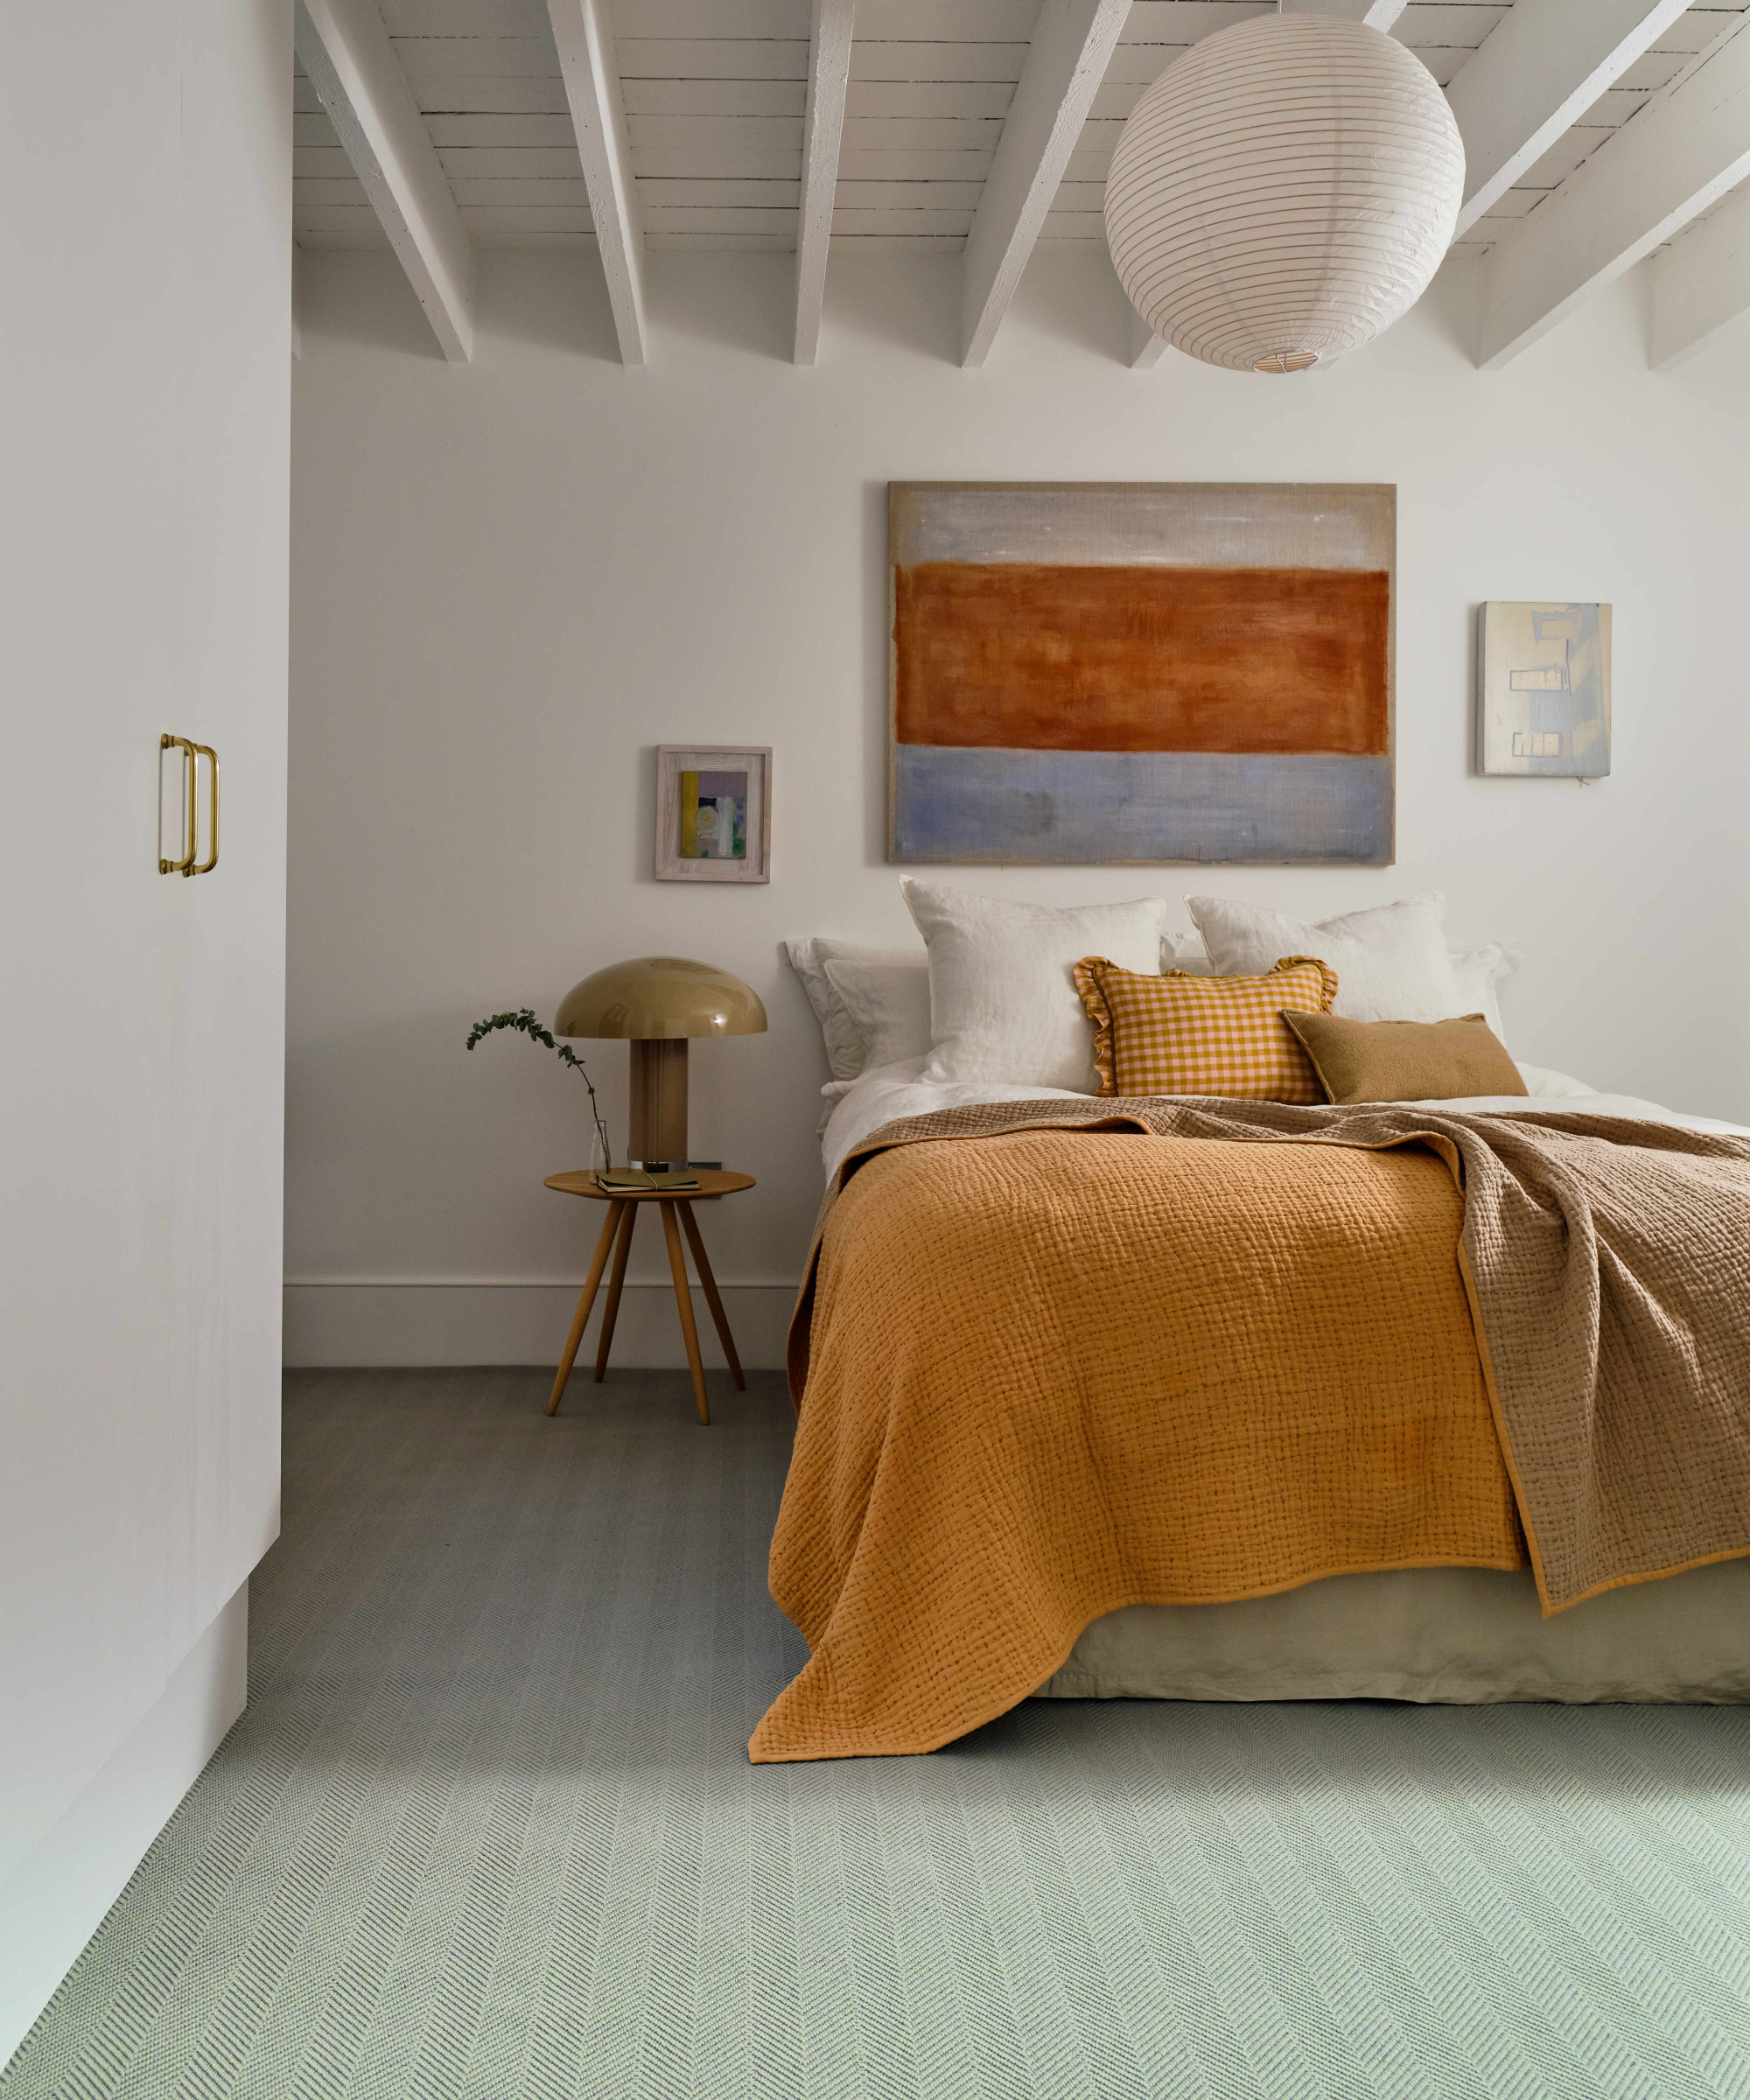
[(616, 1237)]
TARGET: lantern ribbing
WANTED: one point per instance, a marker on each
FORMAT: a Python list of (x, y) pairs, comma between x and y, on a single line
[(1284, 191)]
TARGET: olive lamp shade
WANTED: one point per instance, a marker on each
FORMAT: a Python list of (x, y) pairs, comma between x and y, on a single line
[(661, 996), (658, 1002)]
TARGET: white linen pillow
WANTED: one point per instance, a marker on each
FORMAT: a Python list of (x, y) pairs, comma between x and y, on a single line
[(801, 958), (888, 1003), (1480, 972), (1391, 961), (1542, 1084), (1186, 952), (845, 1049), (1004, 1006)]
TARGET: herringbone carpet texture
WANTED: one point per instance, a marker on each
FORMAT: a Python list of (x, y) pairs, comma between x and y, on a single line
[(488, 1830)]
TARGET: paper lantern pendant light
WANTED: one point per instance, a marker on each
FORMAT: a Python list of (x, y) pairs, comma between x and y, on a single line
[(1284, 191)]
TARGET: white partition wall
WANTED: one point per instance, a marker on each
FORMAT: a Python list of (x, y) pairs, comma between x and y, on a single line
[(143, 590)]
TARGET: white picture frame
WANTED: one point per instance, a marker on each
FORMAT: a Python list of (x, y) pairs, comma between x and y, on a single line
[(705, 831)]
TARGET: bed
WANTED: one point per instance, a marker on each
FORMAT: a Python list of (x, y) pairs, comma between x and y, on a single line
[(1393, 1559)]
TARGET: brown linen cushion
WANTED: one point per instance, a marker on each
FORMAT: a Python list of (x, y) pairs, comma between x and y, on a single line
[(1177, 1033), (1405, 1061)]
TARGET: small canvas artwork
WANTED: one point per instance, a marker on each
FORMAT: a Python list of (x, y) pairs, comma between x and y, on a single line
[(713, 814), (1141, 672), (1544, 690)]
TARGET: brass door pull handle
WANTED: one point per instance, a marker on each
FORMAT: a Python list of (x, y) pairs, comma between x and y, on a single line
[(192, 755), (181, 867), (206, 866)]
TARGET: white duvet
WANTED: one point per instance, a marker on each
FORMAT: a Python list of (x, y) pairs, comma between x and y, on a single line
[(889, 1091)]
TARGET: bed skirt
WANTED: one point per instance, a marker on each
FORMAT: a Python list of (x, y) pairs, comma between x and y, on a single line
[(1463, 1636)]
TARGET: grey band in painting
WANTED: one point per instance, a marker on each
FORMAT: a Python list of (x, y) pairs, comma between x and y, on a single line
[(1060, 808)]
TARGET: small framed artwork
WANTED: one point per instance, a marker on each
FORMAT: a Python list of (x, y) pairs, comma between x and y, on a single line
[(714, 812), (1544, 690)]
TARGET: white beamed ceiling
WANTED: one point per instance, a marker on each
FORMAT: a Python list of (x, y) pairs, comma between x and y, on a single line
[(714, 93)]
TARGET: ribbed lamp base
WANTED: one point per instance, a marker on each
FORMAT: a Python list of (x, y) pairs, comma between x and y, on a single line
[(657, 1135)]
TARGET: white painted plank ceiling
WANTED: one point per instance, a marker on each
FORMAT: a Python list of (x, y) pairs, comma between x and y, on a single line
[(715, 91)]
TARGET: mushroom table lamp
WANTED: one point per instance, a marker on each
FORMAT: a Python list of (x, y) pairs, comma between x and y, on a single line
[(659, 1001)]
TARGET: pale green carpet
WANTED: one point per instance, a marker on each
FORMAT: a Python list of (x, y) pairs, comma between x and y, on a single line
[(489, 1829)]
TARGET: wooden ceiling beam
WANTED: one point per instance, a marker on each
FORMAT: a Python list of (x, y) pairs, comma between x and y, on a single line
[(823, 127), (584, 33), (1146, 348), (1702, 283), (1535, 74), (1377, 14), (345, 49), (1065, 64), (1663, 169)]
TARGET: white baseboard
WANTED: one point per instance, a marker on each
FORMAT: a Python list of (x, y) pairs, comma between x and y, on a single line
[(58, 1894), (344, 1323)]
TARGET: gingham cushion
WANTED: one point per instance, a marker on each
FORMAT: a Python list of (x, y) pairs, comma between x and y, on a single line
[(1178, 1033)]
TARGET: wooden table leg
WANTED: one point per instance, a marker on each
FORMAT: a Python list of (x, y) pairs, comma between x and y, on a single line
[(712, 1297), (616, 1277), (683, 1299), (591, 1281)]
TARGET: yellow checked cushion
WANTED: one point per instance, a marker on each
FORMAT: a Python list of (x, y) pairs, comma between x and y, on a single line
[(1178, 1033)]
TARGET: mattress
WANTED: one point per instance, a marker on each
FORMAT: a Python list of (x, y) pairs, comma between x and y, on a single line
[(1457, 1636)]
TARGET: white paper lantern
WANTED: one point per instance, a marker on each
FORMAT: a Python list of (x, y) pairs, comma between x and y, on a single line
[(1284, 191)]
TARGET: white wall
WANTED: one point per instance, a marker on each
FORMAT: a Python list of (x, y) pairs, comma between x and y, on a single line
[(511, 580)]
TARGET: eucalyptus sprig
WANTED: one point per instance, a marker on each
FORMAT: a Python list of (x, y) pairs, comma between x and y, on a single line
[(524, 1023)]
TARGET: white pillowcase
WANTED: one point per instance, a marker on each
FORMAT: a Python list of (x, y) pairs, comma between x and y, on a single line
[(1544, 1085), (1391, 961), (846, 1051), (888, 1005), (1480, 972), (1004, 1006), (1186, 952)]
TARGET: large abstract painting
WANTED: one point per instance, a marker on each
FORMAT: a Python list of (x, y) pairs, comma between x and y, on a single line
[(1147, 671), (1543, 704)]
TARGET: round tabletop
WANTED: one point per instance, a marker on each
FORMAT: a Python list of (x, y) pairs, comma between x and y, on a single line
[(711, 1181)]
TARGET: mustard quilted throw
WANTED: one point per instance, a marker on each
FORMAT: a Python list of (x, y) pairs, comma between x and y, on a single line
[(1177, 1033)]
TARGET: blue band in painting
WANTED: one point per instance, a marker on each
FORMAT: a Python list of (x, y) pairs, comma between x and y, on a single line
[(1067, 807)]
